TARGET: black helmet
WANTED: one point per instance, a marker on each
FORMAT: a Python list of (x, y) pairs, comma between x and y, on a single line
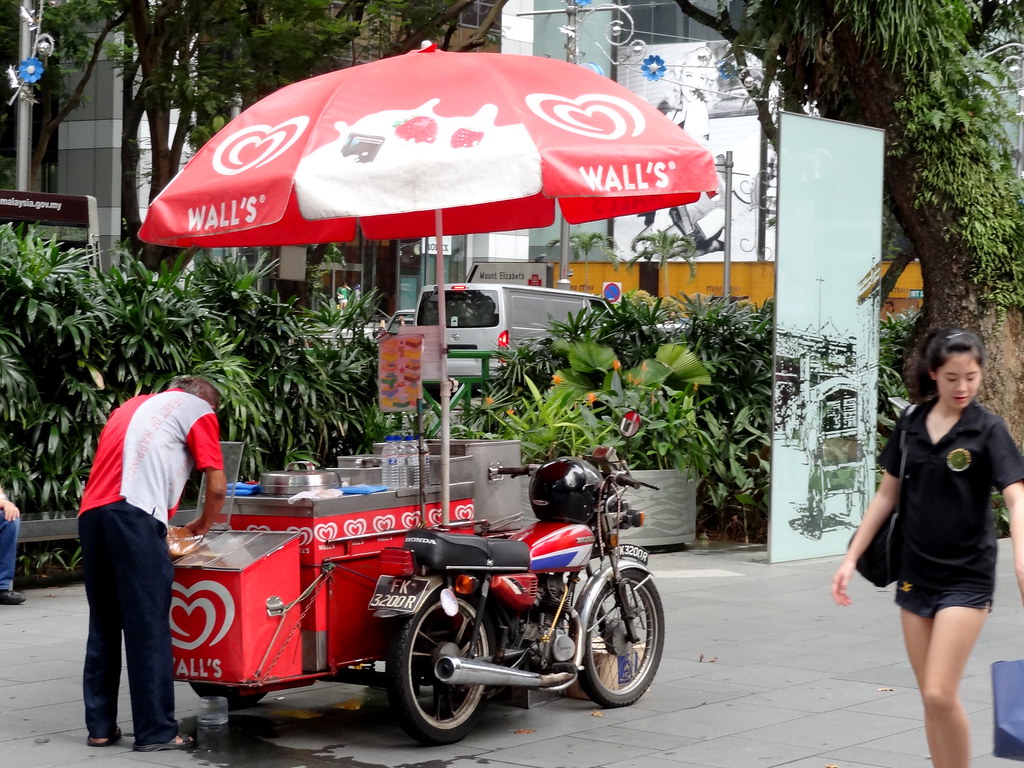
[(565, 490)]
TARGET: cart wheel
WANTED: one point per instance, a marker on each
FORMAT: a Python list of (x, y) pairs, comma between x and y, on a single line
[(430, 711), (238, 698), (616, 672)]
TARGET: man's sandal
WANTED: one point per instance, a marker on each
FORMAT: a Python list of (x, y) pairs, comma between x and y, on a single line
[(107, 742), (178, 742)]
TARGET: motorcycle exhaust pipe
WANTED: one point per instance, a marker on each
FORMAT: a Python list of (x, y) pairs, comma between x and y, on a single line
[(458, 671)]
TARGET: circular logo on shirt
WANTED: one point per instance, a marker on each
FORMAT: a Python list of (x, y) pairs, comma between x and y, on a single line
[(958, 459)]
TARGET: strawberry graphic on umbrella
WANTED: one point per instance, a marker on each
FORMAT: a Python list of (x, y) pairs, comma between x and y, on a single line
[(421, 129), (466, 137)]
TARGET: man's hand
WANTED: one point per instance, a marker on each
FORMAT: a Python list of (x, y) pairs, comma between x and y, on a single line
[(216, 493), (11, 512)]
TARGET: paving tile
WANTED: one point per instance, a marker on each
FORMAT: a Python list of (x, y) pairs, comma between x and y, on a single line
[(569, 752), (735, 751), (713, 720), (832, 730), (824, 695)]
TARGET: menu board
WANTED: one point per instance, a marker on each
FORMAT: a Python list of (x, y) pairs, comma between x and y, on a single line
[(400, 372)]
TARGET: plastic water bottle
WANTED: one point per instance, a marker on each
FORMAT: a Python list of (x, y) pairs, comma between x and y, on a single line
[(426, 463), (391, 466), (412, 457)]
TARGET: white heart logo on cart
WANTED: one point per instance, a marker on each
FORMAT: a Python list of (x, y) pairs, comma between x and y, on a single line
[(257, 145), (258, 528), (464, 512), (434, 516), (218, 608), (355, 527), (325, 532), (305, 535), (410, 519), (596, 115), (384, 523)]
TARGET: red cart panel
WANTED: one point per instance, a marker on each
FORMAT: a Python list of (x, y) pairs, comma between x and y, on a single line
[(224, 626)]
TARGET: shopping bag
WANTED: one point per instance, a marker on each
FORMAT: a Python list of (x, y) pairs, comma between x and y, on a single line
[(1008, 700), (880, 563)]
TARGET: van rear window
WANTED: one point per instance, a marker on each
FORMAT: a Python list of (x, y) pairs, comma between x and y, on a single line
[(463, 309)]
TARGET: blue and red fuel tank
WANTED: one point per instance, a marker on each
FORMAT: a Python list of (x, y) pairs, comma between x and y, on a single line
[(557, 547)]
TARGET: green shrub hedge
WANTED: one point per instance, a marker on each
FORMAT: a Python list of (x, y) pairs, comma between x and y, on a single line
[(76, 341)]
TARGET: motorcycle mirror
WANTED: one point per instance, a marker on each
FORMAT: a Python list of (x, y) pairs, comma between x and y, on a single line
[(630, 424)]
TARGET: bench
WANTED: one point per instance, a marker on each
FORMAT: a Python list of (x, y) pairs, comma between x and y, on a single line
[(50, 526)]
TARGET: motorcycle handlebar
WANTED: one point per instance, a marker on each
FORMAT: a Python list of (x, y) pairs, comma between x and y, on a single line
[(516, 471), (627, 480), (619, 478)]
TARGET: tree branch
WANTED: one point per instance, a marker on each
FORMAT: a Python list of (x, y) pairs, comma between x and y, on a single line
[(722, 24)]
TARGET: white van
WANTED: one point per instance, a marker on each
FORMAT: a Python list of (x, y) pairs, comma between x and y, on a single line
[(491, 316)]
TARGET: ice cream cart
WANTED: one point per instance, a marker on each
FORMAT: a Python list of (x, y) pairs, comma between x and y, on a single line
[(281, 599)]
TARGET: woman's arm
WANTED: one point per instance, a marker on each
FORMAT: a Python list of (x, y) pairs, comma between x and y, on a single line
[(1013, 495), (881, 506)]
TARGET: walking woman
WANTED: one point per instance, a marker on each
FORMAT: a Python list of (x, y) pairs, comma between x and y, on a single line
[(957, 452)]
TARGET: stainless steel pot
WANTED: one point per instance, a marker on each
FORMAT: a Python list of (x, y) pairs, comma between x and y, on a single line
[(298, 476)]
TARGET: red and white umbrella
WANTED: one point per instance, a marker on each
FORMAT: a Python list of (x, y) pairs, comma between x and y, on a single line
[(412, 145)]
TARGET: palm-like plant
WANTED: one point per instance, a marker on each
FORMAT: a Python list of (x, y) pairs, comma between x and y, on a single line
[(663, 389), (584, 244), (664, 246)]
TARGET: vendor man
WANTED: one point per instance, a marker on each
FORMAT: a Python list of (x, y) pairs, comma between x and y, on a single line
[(145, 454)]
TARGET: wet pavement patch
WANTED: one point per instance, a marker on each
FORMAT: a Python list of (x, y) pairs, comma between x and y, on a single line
[(268, 736)]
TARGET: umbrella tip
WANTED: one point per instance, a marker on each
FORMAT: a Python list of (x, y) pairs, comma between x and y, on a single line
[(426, 46)]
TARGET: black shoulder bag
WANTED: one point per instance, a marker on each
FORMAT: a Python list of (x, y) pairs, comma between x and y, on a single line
[(880, 563)]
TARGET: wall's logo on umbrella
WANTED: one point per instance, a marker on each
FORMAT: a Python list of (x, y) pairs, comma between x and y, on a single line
[(257, 145), (596, 115)]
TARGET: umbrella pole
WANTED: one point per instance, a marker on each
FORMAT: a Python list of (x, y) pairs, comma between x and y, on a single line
[(442, 322)]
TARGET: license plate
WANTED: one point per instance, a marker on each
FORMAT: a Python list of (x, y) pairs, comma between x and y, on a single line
[(633, 552), (396, 595)]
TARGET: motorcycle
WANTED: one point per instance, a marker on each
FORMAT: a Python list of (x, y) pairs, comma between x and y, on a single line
[(559, 602)]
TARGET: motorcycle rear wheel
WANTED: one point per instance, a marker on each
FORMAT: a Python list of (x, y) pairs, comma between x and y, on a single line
[(616, 672), (430, 711)]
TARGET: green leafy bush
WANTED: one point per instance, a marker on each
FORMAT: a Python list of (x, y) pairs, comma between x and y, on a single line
[(734, 340), (587, 400), (76, 341)]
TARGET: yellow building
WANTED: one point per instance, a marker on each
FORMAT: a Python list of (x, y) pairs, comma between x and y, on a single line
[(752, 280)]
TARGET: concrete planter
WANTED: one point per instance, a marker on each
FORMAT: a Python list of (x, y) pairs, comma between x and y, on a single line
[(670, 513)]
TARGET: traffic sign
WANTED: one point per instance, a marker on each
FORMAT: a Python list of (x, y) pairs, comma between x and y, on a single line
[(612, 292)]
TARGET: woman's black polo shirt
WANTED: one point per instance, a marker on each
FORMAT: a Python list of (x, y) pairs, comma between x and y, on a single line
[(949, 533)]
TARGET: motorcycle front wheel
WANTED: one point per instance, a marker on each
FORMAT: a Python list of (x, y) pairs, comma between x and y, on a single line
[(617, 672), (430, 711)]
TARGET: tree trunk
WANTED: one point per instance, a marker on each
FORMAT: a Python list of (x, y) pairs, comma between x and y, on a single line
[(951, 296)]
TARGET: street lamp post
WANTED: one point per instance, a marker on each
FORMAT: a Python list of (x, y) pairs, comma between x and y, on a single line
[(32, 42), (24, 146), (575, 11)]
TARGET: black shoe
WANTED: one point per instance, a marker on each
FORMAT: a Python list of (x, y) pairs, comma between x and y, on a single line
[(10, 597)]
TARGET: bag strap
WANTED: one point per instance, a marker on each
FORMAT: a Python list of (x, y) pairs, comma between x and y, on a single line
[(903, 460)]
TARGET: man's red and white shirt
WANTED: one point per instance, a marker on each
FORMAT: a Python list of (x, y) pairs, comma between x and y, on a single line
[(147, 450)]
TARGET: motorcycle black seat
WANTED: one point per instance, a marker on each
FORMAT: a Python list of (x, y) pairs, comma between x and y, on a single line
[(455, 551)]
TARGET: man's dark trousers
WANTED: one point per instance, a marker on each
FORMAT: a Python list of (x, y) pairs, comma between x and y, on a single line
[(128, 575)]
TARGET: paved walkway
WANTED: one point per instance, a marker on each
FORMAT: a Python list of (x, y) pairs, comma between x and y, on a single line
[(760, 669)]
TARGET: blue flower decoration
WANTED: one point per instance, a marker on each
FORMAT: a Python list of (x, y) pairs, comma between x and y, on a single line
[(30, 70), (653, 67), (727, 70)]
